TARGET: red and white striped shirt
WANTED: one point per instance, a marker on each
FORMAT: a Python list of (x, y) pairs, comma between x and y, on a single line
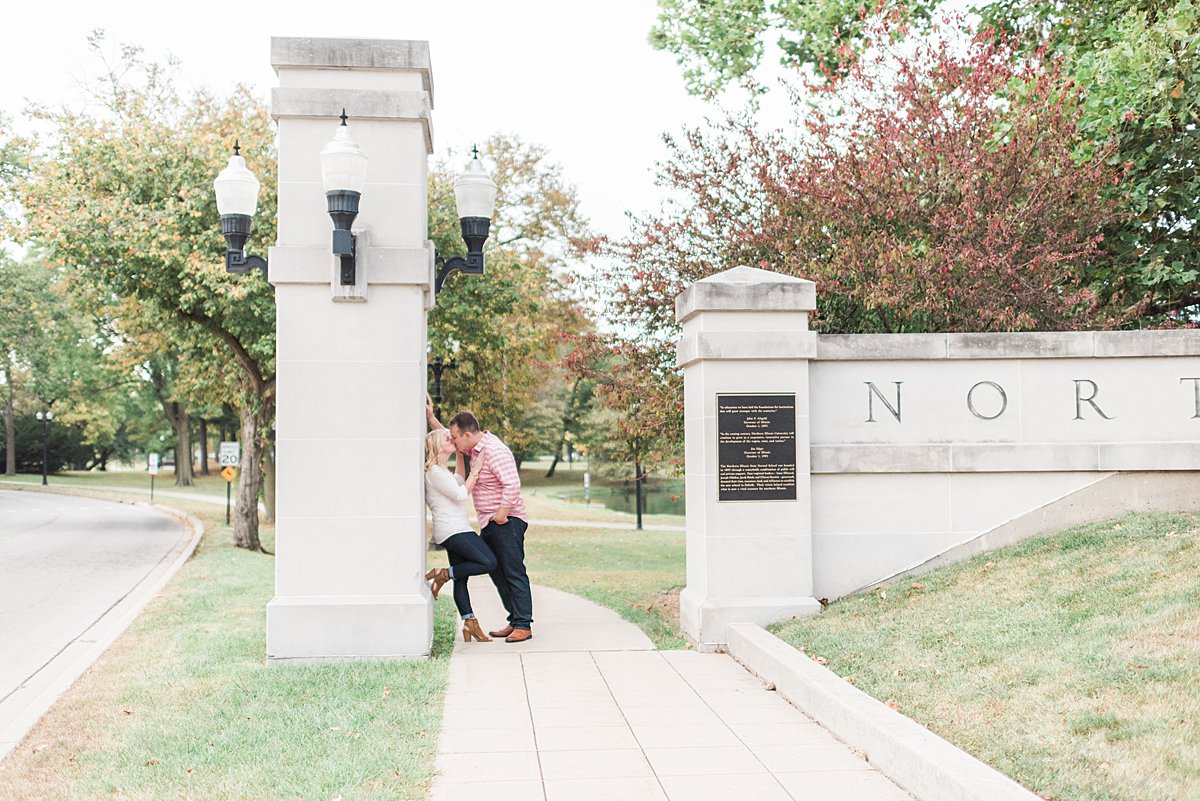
[(499, 483)]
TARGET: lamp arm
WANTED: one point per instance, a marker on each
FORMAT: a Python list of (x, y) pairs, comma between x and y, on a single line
[(236, 261), (471, 265)]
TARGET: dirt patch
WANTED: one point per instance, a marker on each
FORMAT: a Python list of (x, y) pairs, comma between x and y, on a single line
[(665, 603)]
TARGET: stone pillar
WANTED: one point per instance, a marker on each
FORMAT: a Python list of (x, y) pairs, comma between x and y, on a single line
[(749, 560), (350, 558)]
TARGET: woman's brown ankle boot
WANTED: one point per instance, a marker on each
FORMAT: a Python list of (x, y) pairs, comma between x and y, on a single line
[(471, 629)]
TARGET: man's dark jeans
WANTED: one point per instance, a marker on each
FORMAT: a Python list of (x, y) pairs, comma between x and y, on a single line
[(469, 556), (512, 582)]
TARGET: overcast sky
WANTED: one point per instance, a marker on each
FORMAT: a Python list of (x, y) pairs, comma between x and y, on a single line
[(576, 77)]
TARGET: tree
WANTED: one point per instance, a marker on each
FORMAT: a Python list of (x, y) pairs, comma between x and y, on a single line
[(51, 355), (1136, 62), (501, 330), (722, 41), (926, 189), (123, 198)]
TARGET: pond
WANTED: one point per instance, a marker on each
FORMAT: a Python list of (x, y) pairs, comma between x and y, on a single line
[(657, 499)]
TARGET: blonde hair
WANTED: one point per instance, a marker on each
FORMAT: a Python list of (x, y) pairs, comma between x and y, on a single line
[(433, 447)]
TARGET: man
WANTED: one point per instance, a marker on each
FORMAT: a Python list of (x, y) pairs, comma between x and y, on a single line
[(501, 513)]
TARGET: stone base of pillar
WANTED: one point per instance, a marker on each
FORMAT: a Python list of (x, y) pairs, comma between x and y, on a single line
[(330, 628), (706, 621)]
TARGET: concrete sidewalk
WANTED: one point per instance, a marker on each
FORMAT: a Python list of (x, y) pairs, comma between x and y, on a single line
[(588, 710)]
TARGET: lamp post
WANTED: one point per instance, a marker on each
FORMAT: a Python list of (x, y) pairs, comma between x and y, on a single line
[(237, 200), (343, 176), (45, 418), (475, 197), (437, 367)]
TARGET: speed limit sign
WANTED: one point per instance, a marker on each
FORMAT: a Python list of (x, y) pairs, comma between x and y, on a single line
[(229, 455)]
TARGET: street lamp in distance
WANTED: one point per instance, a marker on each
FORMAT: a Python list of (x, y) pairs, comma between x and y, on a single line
[(44, 418)]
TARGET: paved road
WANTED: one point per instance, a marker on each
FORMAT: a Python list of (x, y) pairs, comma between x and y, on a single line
[(68, 567)]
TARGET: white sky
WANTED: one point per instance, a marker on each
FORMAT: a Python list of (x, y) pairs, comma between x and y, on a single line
[(576, 77)]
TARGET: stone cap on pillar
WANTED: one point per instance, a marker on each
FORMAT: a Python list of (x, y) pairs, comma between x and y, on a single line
[(746, 289), (397, 55)]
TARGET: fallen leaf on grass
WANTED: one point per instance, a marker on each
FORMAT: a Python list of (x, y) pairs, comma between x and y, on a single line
[(1137, 667), (151, 762), (916, 585), (820, 660), (892, 705)]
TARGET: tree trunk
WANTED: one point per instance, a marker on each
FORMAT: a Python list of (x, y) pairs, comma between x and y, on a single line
[(10, 426), (268, 492), (181, 423), (570, 411), (253, 436), (554, 464), (203, 447)]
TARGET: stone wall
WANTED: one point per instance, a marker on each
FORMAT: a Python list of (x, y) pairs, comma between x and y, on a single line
[(910, 450)]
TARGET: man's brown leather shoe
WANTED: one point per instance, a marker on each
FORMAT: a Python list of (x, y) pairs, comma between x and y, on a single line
[(504, 632), (519, 635)]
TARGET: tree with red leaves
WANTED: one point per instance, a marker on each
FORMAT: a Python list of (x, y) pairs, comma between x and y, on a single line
[(929, 188)]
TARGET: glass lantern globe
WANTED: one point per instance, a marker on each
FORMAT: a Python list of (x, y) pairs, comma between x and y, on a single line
[(343, 163), (475, 192), (236, 188)]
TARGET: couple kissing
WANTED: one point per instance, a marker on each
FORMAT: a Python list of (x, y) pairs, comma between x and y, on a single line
[(499, 548)]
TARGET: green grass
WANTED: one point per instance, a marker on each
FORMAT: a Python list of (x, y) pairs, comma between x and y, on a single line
[(1071, 662), (182, 705)]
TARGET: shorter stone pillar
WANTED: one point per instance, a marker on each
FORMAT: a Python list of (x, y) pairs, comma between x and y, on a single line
[(745, 354)]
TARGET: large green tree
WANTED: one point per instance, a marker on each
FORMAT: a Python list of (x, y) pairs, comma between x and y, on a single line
[(122, 197), (51, 357), (501, 330)]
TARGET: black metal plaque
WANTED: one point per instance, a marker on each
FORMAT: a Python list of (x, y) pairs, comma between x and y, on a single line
[(756, 447)]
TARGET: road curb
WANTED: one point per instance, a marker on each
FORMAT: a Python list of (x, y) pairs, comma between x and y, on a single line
[(73, 662), (903, 750)]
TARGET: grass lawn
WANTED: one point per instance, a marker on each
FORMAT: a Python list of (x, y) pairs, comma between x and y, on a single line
[(1070, 662)]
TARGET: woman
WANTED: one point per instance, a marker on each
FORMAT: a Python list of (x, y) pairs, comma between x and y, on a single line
[(469, 556)]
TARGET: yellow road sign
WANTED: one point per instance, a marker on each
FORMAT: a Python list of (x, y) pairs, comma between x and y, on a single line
[(229, 473)]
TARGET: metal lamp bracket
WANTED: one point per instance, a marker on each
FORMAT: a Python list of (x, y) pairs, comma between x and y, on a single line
[(354, 263)]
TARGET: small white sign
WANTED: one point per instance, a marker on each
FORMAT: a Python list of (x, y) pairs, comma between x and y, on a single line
[(230, 454), (153, 464)]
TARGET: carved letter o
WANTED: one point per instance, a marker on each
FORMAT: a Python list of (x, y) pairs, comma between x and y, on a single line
[(1003, 400)]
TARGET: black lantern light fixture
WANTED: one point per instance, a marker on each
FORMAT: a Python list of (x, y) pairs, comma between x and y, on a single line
[(237, 200), (475, 197), (343, 174)]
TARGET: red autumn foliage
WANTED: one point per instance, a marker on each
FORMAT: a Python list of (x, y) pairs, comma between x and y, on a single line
[(934, 188)]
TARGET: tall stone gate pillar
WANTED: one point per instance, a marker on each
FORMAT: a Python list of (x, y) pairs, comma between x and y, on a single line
[(744, 352), (350, 560)]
